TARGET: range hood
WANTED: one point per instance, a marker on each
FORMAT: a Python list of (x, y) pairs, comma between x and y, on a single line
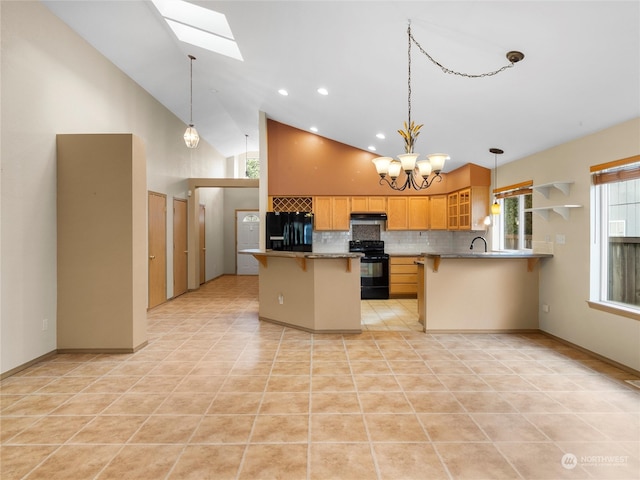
[(368, 216)]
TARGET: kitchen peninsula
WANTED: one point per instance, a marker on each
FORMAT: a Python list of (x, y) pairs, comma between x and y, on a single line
[(491, 291), (315, 292)]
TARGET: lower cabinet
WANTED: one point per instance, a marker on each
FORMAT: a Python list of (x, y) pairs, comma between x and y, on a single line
[(403, 276)]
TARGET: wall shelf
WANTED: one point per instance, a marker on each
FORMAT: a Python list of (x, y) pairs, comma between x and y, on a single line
[(562, 210), (545, 188)]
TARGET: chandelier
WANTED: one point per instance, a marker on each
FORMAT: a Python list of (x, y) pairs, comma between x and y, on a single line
[(420, 174), (191, 137)]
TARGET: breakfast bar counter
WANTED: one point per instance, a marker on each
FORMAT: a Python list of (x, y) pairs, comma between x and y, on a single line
[(315, 292), (492, 291)]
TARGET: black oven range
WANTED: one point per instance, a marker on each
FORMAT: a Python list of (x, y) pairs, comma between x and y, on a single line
[(374, 268)]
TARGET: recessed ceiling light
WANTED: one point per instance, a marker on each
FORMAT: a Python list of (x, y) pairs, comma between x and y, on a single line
[(380, 136), (314, 129), (283, 92), (323, 91), (372, 148)]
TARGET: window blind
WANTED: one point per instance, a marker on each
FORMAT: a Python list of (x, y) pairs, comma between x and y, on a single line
[(616, 171), (521, 188)]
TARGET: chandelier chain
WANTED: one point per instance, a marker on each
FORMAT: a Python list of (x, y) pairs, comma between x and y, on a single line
[(453, 72)]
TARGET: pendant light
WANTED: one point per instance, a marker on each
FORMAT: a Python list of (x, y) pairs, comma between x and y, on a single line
[(191, 137), (495, 207), (246, 155)]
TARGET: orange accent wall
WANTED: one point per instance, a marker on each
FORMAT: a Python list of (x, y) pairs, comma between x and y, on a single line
[(302, 163)]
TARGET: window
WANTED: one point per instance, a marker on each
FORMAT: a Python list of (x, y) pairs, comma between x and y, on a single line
[(253, 167), (615, 221), (515, 224)]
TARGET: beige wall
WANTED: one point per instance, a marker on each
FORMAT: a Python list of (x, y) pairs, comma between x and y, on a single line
[(564, 281), (54, 82)]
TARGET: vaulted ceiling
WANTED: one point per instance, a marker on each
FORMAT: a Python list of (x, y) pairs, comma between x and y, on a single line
[(580, 74)]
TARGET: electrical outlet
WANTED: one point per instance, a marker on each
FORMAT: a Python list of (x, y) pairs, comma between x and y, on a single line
[(45, 324), (281, 299), (560, 239)]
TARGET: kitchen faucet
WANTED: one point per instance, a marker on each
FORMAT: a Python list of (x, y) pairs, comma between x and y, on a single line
[(481, 238)]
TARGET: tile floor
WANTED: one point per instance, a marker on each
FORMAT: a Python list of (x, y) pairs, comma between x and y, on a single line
[(217, 394), (390, 315)]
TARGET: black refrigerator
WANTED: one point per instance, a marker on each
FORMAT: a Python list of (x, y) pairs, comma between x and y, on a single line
[(291, 231)]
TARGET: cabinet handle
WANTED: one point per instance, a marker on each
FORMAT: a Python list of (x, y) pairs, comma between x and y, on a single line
[(151, 257)]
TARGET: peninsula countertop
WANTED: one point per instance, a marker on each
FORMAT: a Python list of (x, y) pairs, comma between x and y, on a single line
[(532, 258), (309, 255), (489, 254)]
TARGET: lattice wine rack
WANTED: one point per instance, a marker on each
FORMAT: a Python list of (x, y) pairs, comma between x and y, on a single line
[(292, 204)]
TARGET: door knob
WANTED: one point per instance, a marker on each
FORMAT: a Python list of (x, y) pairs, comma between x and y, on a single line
[(151, 257)]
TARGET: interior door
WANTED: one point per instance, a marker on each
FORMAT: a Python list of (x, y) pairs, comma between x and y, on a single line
[(157, 204), (248, 236), (179, 247), (203, 249)]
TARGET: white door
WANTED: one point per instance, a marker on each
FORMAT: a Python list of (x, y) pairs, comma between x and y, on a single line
[(248, 235)]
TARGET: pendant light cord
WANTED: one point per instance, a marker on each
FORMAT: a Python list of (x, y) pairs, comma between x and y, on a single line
[(192, 58)]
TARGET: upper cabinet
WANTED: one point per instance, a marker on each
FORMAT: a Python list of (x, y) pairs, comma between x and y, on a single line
[(331, 213), (397, 216), (467, 208), (408, 213), (453, 216), (438, 212), (368, 204), (418, 214)]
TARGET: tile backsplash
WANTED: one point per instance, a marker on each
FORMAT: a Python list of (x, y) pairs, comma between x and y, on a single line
[(365, 232), (397, 242)]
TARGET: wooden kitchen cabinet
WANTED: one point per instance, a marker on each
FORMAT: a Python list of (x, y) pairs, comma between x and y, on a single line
[(452, 211), (469, 210), (438, 212), (397, 216), (369, 204), (464, 209), (331, 213), (408, 213), (418, 213), (359, 204), (377, 204), (403, 276)]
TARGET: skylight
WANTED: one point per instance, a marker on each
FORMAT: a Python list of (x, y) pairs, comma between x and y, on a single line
[(199, 26)]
